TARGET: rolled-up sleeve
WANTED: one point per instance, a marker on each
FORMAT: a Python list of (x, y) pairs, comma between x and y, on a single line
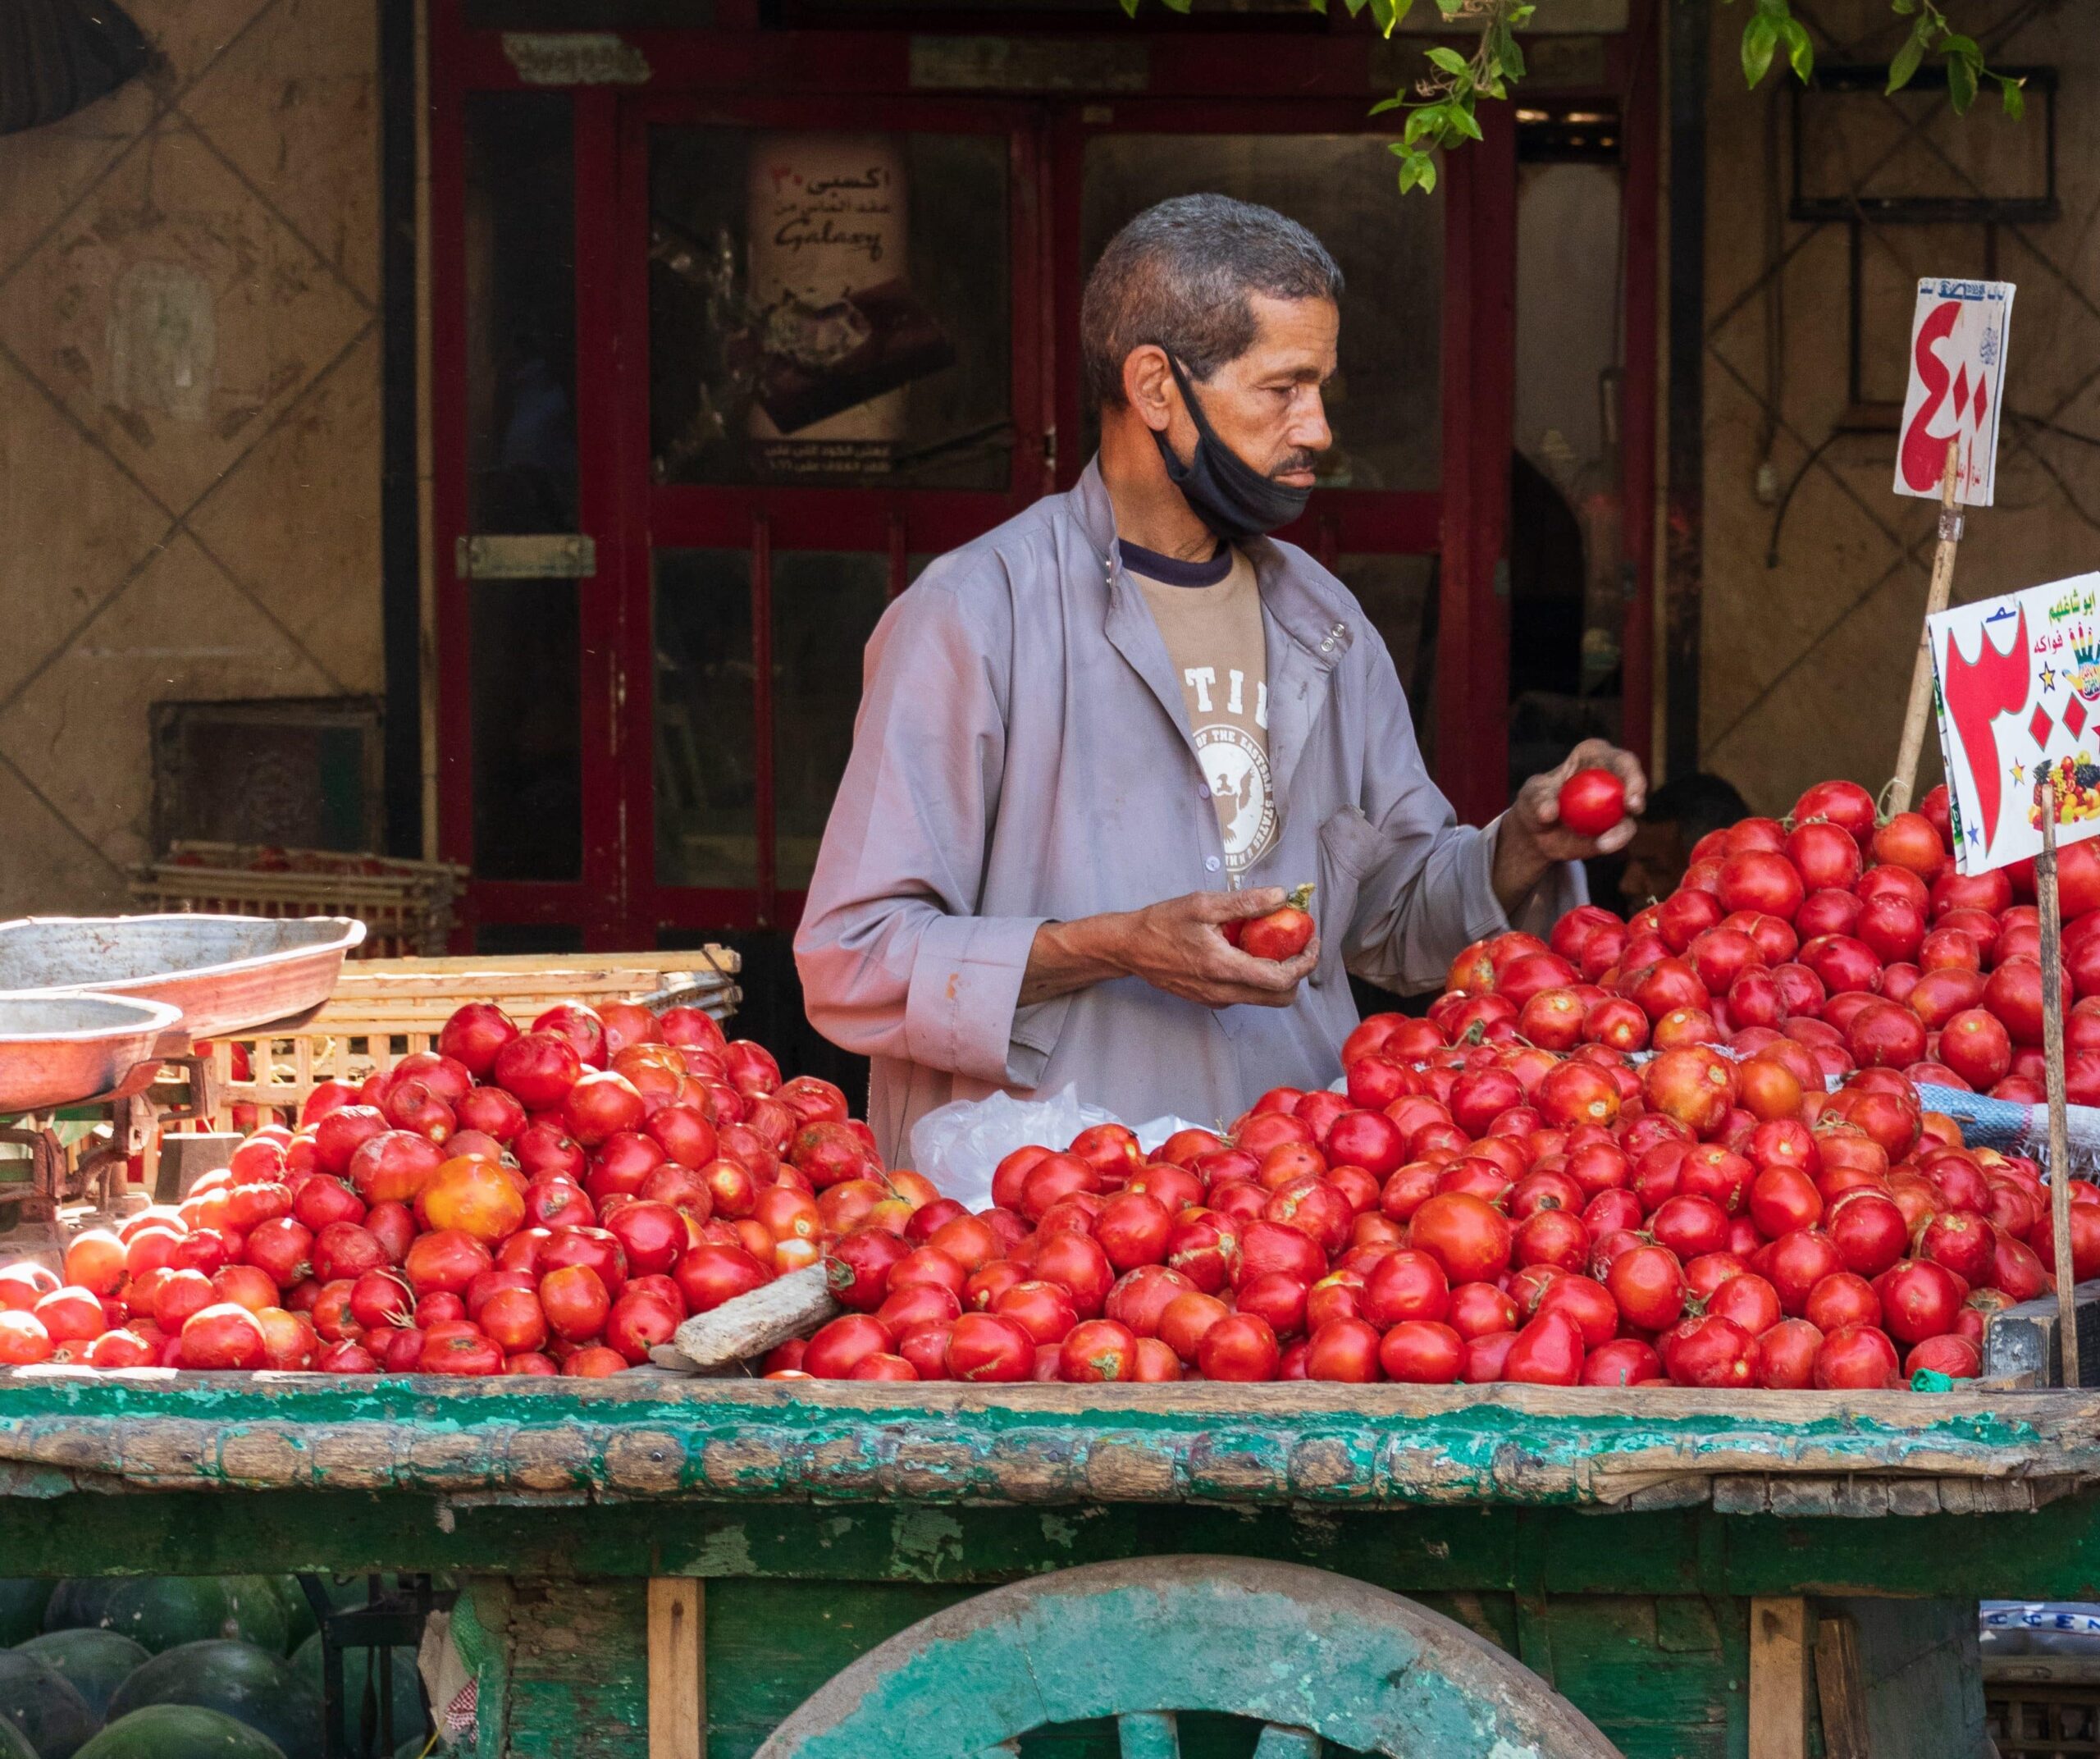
[(894, 961), (1425, 883)]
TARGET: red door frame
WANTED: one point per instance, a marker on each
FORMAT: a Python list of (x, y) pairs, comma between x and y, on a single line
[(833, 76)]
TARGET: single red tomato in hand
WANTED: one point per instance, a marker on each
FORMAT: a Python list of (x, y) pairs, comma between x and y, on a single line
[(1591, 802), (1282, 935)]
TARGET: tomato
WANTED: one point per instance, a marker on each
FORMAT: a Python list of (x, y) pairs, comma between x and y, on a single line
[(393, 1166), (1468, 1238), (1343, 1348), (1648, 1284), (639, 1320), (1140, 1297), (1854, 1357), (1098, 1350), (1546, 1351), (1957, 1358), (836, 1348), (576, 1302), (1623, 1362), (1918, 1300), (458, 1347), (1591, 802), (1240, 1347), (709, 1275), (1710, 1350), (1842, 1299), (986, 1347), (1044, 1310), (224, 1335), (1281, 934)]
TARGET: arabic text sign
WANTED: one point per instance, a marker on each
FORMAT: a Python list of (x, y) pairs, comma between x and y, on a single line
[(2017, 683), (1957, 388)]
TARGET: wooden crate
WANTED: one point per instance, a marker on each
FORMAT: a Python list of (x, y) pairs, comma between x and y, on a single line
[(382, 1009), (406, 907)]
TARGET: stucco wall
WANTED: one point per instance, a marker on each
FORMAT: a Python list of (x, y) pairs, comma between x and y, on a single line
[(1807, 663), (190, 424)]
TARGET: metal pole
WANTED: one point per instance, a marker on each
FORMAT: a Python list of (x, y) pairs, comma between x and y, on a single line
[(2052, 1054), (1921, 669)]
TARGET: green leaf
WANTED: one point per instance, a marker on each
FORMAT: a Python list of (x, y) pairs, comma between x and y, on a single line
[(1411, 166), (1961, 84), (1463, 122), (1129, 8), (1451, 8), (1449, 60), (1965, 46), (1427, 120), (1428, 178), (1398, 101), (1905, 66), (1381, 15), (1401, 8), (1903, 8), (1512, 66), (1760, 37), (1801, 52), (2015, 100)]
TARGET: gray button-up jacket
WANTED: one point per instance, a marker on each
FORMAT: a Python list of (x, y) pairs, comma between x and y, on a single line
[(1023, 754)]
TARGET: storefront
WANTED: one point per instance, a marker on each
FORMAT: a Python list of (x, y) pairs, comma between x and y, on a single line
[(735, 328)]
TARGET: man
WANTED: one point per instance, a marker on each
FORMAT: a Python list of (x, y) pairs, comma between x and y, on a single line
[(1099, 733)]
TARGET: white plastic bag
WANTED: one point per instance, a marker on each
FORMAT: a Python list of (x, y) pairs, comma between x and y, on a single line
[(959, 1145)]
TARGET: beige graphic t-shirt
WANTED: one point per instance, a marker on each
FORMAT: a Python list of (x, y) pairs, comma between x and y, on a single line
[(1209, 614)]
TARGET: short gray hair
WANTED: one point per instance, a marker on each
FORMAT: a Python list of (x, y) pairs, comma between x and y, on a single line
[(1179, 275)]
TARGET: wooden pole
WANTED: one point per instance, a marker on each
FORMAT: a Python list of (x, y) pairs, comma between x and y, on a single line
[(2052, 1054), (1921, 670), (677, 1668)]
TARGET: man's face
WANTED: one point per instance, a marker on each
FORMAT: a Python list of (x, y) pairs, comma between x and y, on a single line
[(1266, 406), (1654, 862)]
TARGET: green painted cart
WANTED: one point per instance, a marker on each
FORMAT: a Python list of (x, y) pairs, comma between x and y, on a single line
[(659, 1568)]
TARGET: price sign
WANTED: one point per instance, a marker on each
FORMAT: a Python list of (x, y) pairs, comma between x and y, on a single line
[(2017, 684), (1957, 384)]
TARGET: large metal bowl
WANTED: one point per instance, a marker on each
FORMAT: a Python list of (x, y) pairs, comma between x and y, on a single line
[(59, 1049), (226, 974)]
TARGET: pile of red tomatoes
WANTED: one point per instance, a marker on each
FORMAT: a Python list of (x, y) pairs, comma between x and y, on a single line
[(1855, 939), (1502, 1193), (554, 1199), (1486, 1212)]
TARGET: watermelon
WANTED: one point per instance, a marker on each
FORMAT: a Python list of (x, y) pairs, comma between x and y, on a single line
[(38, 1702), (408, 1702), (93, 1662), (22, 1602), (298, 1611), (247, 1683), (162, 1611), (180, 1731)]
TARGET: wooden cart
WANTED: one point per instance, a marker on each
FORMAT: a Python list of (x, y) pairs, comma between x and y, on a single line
[(662, 1568)]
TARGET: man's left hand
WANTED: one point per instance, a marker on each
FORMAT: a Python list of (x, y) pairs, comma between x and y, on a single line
[(1531, 837)]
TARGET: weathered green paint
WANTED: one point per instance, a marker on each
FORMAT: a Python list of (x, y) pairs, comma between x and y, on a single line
[(1147, 1734), (929, 1446)]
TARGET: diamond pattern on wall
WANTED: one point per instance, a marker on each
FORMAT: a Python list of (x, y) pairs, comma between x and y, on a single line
[(187, 277), (181, 630), (306, 65), (174, 315)]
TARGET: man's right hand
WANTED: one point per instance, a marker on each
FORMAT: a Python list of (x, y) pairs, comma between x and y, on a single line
[(1177, 945)]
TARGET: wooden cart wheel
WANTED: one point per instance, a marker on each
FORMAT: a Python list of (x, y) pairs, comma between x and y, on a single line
[(1317, 1657)]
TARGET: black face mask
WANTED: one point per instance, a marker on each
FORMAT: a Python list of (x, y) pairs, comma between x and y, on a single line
[(1230, 496)]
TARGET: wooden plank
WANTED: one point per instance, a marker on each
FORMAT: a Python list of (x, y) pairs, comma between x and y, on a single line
[(677, 1676), (1839, 1690), (1779, 1678), (790, 1306)]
